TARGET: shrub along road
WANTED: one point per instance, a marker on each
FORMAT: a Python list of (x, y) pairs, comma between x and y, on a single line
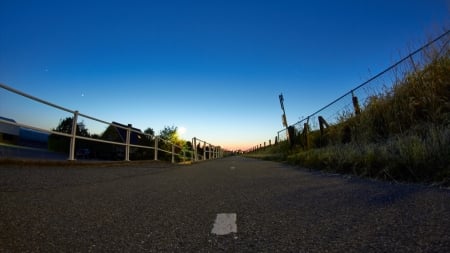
[(233, 204)]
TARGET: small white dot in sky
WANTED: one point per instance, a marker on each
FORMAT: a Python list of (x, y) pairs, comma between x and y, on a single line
[(82, 94)]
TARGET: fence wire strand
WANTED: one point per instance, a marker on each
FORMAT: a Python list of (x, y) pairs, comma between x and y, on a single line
[(381, 83)]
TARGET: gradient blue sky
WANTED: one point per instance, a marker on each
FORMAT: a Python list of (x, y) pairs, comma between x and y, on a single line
[(215, 68)]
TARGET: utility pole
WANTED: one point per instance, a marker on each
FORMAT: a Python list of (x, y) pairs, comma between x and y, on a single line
[(290, 130), (283, 117)]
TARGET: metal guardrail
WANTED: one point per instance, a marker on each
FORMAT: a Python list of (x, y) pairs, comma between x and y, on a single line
[(212, 152), (204, 150)]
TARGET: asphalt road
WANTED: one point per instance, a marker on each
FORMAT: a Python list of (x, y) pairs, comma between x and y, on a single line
[(157, 207)]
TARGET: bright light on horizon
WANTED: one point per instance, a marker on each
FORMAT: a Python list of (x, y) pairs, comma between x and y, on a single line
[(181, 130)]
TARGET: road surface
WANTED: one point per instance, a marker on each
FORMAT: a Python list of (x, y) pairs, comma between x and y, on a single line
[(233, 204)]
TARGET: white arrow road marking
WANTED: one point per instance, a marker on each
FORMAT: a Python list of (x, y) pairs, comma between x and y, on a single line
[(225, 224)]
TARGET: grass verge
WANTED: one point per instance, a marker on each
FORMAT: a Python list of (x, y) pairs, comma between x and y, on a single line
[(402, 134)]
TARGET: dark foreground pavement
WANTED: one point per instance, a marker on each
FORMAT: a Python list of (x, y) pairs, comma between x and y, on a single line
[(171, 208)]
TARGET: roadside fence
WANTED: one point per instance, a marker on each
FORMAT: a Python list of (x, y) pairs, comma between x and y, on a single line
[(117, 142), (355, 100), (204, 150)]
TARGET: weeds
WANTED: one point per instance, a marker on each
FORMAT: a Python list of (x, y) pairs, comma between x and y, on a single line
[(403, 158), (402, 133)]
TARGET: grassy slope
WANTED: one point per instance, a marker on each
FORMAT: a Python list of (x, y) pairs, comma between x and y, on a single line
[(402, 134)]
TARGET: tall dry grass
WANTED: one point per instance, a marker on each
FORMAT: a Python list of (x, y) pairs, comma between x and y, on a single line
[(401, 134)]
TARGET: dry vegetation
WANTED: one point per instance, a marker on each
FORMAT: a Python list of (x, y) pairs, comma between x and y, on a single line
[(401, 134)]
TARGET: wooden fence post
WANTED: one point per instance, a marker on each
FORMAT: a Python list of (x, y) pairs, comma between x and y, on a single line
[(356, 104), (291, 135), (305, 134), (322, 124)]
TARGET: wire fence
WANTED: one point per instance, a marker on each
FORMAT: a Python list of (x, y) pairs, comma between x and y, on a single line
[(356, 99)]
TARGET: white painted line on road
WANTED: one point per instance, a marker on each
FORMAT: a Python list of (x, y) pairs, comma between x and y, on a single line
[(232, 168), (225, 224)]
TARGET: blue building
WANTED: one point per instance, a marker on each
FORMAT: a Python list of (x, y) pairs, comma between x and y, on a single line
[(16, 135), (9, 133)]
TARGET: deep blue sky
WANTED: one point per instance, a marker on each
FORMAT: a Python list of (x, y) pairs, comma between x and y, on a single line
[(215, 68)]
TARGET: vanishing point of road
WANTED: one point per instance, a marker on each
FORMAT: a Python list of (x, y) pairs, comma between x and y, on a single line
[(234, 204)]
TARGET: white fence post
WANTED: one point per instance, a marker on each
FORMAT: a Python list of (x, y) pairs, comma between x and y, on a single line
[(127, 142), (173, 153), (194, 147), (156, 148), (192, 154), (204, 150), (73, 137)]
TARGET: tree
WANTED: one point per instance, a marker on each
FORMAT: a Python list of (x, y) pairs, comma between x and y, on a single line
[(147, 138), (61, 143), (65, 126), (149, 131), (169, 133)]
